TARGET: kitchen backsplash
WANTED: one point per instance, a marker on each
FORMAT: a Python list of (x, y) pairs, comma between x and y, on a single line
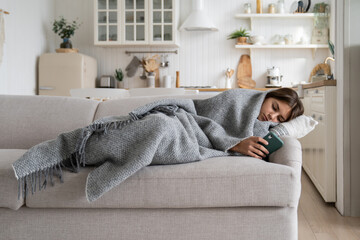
[(203, 57)]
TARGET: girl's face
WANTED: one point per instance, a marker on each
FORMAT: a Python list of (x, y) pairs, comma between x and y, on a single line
[(274, 110)]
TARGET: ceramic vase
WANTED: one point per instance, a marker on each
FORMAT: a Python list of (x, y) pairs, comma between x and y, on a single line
[(66, 43), (151, 80)]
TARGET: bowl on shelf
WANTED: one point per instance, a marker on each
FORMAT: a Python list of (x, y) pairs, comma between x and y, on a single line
[(257, 39)]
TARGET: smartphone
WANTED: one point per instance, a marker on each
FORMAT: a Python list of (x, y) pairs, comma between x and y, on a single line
[(274, 142)]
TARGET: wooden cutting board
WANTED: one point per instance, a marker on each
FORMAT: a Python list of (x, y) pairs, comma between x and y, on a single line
[(244, 73)]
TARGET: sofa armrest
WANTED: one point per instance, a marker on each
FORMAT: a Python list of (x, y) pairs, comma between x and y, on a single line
[(290, 155)]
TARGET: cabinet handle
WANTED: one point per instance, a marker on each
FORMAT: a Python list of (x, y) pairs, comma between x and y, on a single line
[(320, 118), (313, 116), (46, 88), (316, 91)]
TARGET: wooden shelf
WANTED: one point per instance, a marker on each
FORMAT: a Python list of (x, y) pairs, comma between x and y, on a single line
[(252, 16), (319, 84), (275, 15), (250, 46), (67, 50)]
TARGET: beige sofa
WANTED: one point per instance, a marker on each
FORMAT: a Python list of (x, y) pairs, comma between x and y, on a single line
[(218, 198)]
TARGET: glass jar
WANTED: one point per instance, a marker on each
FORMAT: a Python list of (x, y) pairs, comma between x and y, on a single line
[(247, 8), (271, 8)]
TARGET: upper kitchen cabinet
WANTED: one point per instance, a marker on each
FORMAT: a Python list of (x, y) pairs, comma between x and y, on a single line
[(107, 27), (163, 24), (136, 22)]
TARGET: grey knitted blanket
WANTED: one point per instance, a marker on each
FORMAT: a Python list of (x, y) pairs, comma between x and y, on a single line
[(169, 131)]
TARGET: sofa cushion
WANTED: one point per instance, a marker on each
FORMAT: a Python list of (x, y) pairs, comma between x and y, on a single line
[(8, 182), (215, 182), (29, 120)]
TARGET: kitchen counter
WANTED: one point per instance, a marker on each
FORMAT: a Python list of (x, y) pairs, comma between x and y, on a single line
[(319, 84), (223, 89), (305, 86)]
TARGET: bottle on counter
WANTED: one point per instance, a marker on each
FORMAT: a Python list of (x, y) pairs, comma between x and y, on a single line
[(258, 6), (177, 83)]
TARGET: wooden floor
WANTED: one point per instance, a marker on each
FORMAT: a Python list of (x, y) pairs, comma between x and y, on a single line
[(321, 221)]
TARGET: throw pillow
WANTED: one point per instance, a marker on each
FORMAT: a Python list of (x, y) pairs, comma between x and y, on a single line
[(297, 127)]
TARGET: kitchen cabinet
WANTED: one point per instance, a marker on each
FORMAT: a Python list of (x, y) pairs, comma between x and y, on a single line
[(319, 146), (107, 27), (136, 22)]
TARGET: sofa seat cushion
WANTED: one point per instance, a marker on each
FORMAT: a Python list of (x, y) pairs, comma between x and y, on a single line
[(215, 182), (8, 182)]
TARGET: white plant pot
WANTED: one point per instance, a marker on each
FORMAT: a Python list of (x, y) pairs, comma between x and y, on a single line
[(120, 84)]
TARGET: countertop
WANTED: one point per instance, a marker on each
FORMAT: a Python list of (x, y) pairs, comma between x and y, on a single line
[(305, 86), (320, 84), (223, 89)]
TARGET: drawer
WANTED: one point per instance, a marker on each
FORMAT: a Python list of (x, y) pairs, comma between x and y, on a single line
[(314, 92), (318, 104), (320, 117), (317, 100)]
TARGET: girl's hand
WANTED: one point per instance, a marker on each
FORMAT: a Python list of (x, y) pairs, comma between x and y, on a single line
[(251, 147)]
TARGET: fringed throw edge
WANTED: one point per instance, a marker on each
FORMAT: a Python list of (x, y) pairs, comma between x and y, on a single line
[(40, 178)]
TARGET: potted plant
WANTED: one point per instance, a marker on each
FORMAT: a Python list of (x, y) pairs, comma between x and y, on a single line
[(65, 30), (119, 77), (241, 35), (321, 7)]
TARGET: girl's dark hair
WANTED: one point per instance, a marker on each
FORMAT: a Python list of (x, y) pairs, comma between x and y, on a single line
[(290, 97)]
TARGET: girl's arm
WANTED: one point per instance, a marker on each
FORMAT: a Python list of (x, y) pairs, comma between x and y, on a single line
[(251, 147)]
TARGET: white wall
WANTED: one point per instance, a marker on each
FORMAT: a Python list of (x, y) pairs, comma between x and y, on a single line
[(203, 56), (202, 59), (27, 35)]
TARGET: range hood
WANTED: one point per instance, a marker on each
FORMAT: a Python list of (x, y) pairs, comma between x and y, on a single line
[(198, 20)]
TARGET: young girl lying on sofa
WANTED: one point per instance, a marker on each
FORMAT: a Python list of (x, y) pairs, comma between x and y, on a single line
[(169, 131), (279, 106)]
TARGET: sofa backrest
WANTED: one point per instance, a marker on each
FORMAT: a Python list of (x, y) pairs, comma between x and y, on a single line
[(125, 105), (28, 120)]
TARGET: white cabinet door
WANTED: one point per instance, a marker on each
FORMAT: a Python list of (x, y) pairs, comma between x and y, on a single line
[(136, 22), (106, 22), (319, 146), (163, 22), (135, 19)]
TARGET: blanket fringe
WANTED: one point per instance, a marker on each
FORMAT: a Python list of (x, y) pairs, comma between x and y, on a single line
[(42, 177), (38, 180), (97, 128)]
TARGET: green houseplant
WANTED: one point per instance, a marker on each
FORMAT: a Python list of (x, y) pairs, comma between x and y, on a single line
[(241, 35), (321, 7), (65, 30), (119, 75)]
